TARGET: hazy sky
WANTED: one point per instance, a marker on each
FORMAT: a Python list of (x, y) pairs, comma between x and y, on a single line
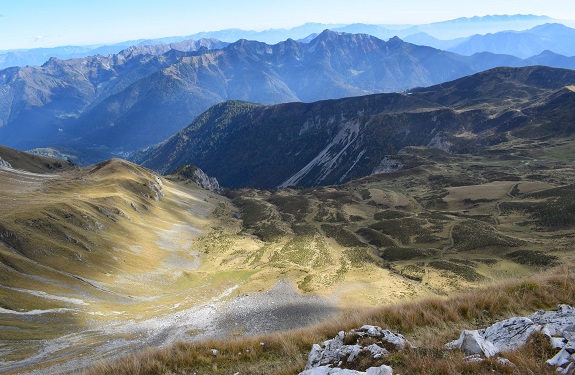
[(47, 23)]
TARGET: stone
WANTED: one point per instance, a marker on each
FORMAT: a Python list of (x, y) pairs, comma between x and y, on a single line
[(510, 334), (385, 335), (373, 331), (321, 370), (560, 359), (505, 362), (558, 342), (569, 333), (322, 358), (314, 357), (569, 370), (558, 321), (381, 370), (376, 351), (471, 342), (327, 370), (354, 353)]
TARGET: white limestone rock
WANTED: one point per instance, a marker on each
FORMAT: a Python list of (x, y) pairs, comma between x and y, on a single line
[(314, 357), (377, 351), (510, 334), (472, 342), (322, 358), (560, 359), (560, 322), (558, 342), (385, 335), (327, 370)]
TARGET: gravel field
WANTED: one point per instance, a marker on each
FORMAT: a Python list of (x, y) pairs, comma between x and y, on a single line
[(281, 308)]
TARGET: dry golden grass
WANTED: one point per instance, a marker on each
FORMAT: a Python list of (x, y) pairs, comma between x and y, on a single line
[(142, 252), (428, 324)]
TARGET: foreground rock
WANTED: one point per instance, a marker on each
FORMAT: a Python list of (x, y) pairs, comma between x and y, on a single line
[(513, 333), (349, 346)]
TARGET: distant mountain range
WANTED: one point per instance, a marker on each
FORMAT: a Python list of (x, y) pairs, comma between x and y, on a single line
[(330, 142), (139, 97), (554, 37), (457, 28)]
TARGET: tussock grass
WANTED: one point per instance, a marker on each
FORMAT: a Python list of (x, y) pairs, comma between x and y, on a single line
[(428, 323)]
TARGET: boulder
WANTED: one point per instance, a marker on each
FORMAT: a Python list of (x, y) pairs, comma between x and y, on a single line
[(558, 322), (510, 334), (472, 342), (503, 336)]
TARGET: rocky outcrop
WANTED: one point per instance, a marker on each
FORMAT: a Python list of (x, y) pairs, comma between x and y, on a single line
[(387, 165), (348, 346), (513, 333), (4, 164), (327, 370), (199, 177)]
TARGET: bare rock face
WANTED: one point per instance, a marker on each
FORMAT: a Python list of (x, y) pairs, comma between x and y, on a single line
[(387, 165), (199, 177), (509, 334), (334, 352), (4, 164)]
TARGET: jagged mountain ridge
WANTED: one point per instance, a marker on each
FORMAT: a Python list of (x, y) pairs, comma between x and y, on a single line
[(38, 56), (38, 101), (330, 142), (460, 27), (124, 102)]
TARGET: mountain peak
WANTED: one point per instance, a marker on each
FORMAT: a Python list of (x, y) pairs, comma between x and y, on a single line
[(328, 34)]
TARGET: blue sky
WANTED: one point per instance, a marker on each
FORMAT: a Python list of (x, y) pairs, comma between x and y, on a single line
[(48, 23)]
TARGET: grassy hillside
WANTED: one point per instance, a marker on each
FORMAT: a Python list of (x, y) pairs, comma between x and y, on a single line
[(32, 163), (111, 259), (84, 249)]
